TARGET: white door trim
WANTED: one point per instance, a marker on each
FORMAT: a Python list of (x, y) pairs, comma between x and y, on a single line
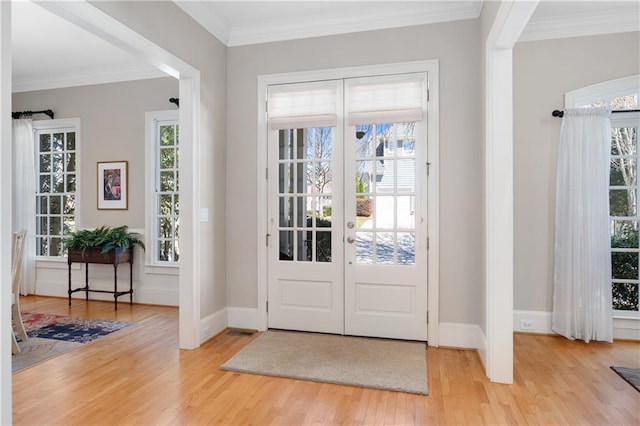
[(429, 66), (94, 20)]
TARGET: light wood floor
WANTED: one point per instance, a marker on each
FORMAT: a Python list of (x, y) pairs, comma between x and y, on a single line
[(137, 376)]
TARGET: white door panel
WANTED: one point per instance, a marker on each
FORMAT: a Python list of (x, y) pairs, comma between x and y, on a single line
[(347, 220)]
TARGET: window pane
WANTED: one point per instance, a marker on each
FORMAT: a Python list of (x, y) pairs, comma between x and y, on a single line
[(305, 246), (167, 181), (71, 141), (625, 296), (285, 141), (45, 183), (624, 266), (70, 165), (385, 248), (364, 247), (285, 178), (69, 206), (71, 183), (167, 158), (622, 202), (55, 204), (165, 207), (45, 143), (364, 141), (167, 135), (624, 140), (624, 234), (45, 163), (57, 144)]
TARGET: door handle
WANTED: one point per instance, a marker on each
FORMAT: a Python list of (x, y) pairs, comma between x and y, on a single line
[(351, 240), (350, 225)]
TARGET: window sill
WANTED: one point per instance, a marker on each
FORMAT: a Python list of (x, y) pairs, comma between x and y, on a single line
[(55, 263), (162, 269)]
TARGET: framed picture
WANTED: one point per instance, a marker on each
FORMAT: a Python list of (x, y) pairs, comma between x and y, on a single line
[(112, 185)]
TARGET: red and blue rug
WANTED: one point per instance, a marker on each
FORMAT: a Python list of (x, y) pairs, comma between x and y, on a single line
[(51, 335)]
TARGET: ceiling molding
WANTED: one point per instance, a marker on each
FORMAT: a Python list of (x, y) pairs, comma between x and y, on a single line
[(581, 25), (326, 24), (115, 74)]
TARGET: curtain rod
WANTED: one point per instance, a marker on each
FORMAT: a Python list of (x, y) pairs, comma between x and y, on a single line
[(558, 113), (21, 113)]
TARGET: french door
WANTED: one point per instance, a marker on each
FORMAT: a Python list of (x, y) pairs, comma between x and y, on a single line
[(347, 209)]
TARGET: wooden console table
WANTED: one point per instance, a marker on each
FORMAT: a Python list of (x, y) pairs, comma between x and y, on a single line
[(114, 257)]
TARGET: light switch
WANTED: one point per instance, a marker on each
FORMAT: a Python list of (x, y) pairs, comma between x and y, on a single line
[(204, 215)]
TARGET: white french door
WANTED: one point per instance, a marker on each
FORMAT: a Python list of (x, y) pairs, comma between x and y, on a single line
[(347, 208)]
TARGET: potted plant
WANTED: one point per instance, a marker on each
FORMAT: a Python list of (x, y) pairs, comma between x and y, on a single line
[(105, 240)]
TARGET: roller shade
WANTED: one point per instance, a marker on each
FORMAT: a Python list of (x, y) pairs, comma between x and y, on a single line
[(302, 105), (384, 100)]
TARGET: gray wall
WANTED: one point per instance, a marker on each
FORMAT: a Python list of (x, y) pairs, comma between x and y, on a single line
[(455, 45), (543, 72), (112, 124), (169, 27)]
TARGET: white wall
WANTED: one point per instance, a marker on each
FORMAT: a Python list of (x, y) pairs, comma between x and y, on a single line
[(455, 45), (543, 72), (112, 128)]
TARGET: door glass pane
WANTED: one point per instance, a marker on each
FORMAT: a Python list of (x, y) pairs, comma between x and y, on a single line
[(285, 178), (364, 141), (406, 248), (406, 212), (385, 177), (385, 248), (323, 246), (323, 212), (286, 212), (303, 220), (305, 246), (286, 245), (364, 248), (286, 144), (384, 212)]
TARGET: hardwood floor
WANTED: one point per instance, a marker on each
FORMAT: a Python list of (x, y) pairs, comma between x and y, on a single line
[(137, 376)]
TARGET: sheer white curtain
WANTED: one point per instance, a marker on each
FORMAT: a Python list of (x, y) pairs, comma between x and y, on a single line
[(582, 270), (23, 198)]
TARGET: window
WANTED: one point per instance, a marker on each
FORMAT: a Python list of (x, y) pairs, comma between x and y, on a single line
[(56, 150), (621, 94), (623, 206), (164, 204)]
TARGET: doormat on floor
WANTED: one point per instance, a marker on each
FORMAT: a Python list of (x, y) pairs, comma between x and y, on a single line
[(358, 361), (51, 335), (631, 375)]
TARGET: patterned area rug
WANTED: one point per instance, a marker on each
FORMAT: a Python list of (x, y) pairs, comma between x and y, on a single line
[(631, 375), (51, 335)]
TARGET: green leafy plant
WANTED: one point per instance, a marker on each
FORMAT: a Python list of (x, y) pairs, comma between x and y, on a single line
[(104, 237)]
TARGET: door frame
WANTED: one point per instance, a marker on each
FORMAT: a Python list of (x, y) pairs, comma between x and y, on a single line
[(429, 66)]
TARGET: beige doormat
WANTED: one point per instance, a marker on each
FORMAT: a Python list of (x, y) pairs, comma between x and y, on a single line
[(358, 361)]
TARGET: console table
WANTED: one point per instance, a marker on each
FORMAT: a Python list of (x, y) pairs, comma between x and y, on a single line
[(114, 257)]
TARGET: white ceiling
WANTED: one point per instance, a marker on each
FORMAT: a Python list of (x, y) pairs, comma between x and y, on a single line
[(49, 52)]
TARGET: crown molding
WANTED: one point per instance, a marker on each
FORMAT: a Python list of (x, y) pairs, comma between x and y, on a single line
[(324, 24), (319, 26), (115, 74), (581, 25)]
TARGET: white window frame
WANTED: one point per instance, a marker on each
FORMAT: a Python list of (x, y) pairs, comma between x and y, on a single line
[(607, 91), (152, 121), (66, 125)]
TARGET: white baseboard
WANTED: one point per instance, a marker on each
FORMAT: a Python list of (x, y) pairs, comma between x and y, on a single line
[(152, 296), (243, 318), (457, 335), (623, 328), (541, 321), (213, 324)]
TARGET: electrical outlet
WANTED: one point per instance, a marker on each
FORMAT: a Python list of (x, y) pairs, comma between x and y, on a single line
[(527, 324)]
